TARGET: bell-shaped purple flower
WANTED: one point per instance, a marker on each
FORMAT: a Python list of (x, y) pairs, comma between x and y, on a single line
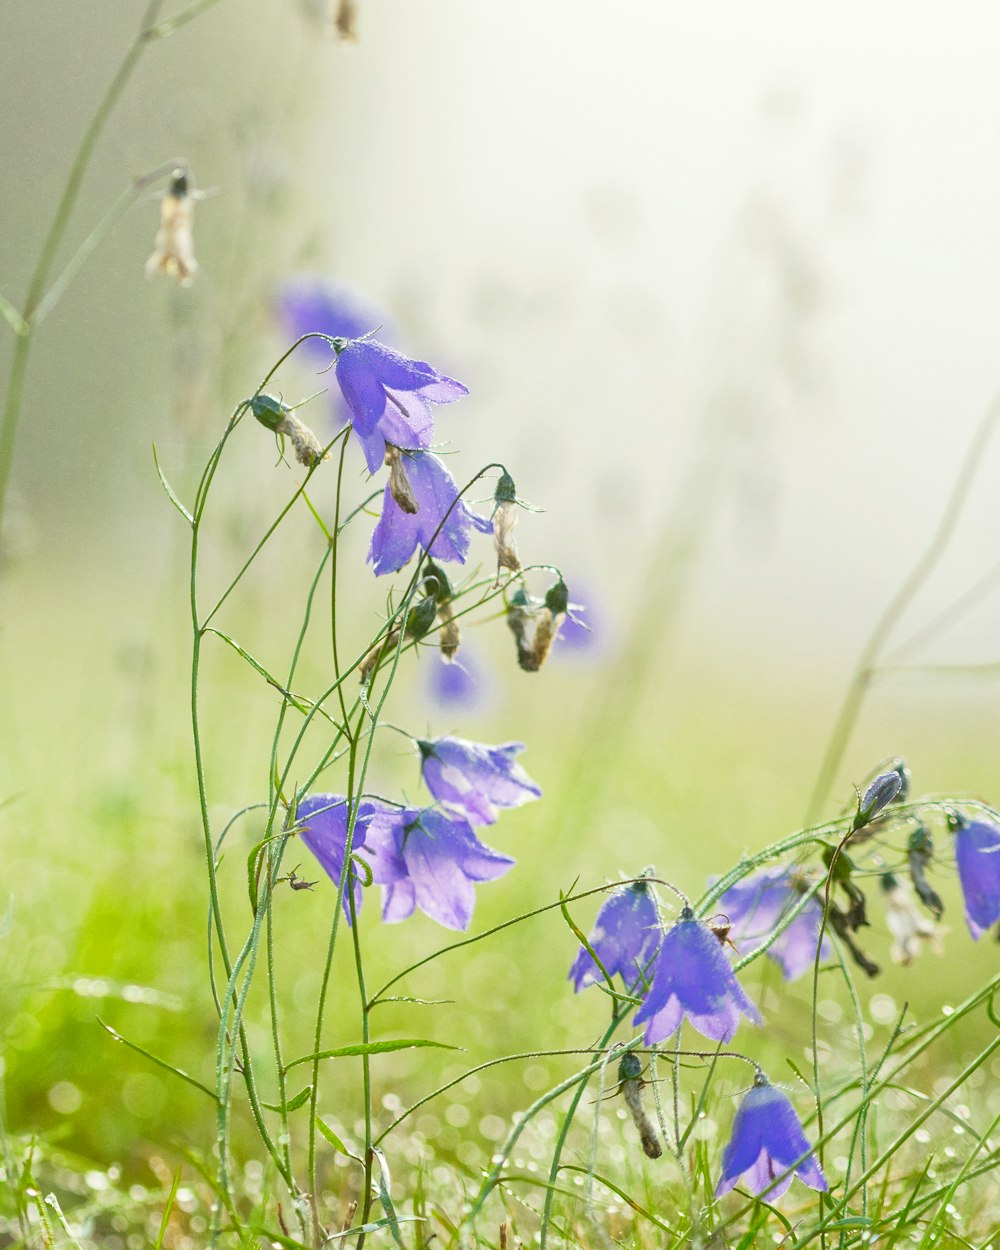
[(389, 396), (693, 978), (321, 821), (441, 524), (754, 907), (457, 683), (625, 938), (432, 860), (308, 304), (474, 779), (767, 1140), (977, 857)]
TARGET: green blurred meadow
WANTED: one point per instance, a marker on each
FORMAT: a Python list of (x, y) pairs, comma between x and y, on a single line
[(735, 547)]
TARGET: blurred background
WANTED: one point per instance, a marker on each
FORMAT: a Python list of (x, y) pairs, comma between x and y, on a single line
[(723, 283)]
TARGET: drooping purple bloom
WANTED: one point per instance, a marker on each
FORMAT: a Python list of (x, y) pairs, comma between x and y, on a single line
[(767, 1140), (754, 907), (475, 779), (693, 978), (625, 938), (977, 857), (321, 821), (441, 524), (389, 396), (430, 859)]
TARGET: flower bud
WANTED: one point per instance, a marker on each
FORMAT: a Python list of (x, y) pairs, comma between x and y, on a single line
[(399, 483), (879, 795), (173, 248)]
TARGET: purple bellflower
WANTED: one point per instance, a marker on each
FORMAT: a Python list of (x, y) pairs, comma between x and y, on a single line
[(322, 821), (693, 978), (756, 904), (429, 859), (625, 938), (441, 524), (474, 779), (767, 1140), (389, 396), (311, 305), (977, 857)]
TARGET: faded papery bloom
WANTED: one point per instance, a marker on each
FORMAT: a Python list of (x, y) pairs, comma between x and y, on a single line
[(430, 859), (345, 19), (977, 857), (441, 524), (321, 821), (692, 977), (504, 520), (535, 625), (389, 396), (278, 417), (909, 928), (173, 248), (767, 1140), (399, 483), (756, 905), (475, 779), (625, 938), (632, 1085)]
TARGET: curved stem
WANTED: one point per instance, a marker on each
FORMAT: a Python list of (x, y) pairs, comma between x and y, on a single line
[(871, 653)]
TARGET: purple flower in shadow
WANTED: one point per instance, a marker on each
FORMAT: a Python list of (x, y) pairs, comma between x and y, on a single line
[(755, 906), (432, 860), (626, 936), (441, 524), (474, 779), (767, 1140), (389, 396), (693, 978), (322, 820), (977, 857)]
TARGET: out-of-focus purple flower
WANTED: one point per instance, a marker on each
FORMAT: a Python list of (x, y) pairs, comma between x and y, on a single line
[(456, 683), (312, 305), (389, 396), (626, 936), (321, 820), (756, 904), (398, 534), (693, 978), (475, 779), (767, 1140), (432, 860), (977, 856)]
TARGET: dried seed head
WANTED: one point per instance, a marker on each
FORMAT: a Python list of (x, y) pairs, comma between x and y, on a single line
[(399, 483), (278, 417), (345, 20), (547, 626), (504, 520), (451, 635), (173, 248)]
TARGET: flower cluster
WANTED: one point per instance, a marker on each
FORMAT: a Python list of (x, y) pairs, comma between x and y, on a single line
[(427, 858)]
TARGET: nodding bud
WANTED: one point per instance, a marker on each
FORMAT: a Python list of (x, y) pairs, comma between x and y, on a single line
[(173, 248), (279, 418), (879, 795), (399, 483), (504, 520), (919, 850)]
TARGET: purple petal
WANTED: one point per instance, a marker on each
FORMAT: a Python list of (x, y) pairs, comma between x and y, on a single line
[(364, 393), (311, 305), (977, 857)]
